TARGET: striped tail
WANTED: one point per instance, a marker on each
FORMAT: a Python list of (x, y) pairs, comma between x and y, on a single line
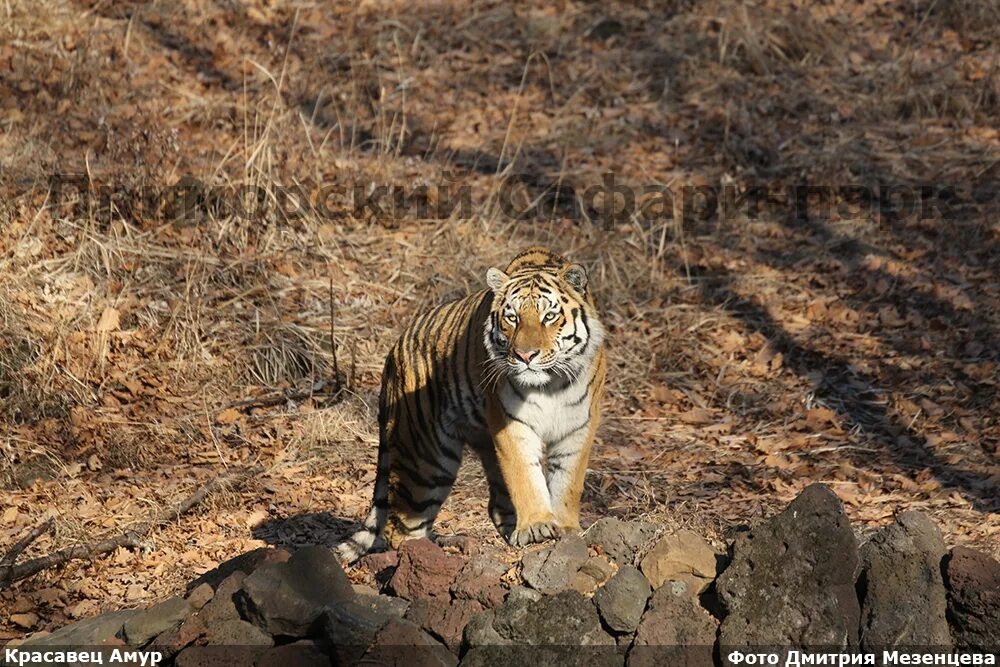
[(362, 541)]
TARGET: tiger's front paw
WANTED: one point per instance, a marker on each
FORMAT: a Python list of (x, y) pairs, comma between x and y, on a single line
[(534, 533)]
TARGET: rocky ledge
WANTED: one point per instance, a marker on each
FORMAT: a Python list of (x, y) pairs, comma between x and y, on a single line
[(625, 593)]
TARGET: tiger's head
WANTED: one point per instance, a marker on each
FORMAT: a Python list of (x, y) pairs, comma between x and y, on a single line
[(543, 324)]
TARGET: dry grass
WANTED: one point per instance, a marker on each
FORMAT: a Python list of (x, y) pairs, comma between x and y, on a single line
[(729, 337)]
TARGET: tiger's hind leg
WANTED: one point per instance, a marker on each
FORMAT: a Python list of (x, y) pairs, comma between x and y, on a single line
[(418, 486), (500, 508)]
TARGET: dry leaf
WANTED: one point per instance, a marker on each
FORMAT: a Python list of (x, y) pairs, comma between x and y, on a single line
[(696, 416), (135, 592), (26, 621), (228, 416), (256, 517), (819, 418), (109, 321), (661, 393), (9, 516)]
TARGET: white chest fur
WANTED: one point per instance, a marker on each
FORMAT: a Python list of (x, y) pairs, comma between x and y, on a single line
[(551, 415)]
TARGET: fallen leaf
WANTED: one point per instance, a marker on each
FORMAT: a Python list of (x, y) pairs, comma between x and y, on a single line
[(889, 316), (256, 517), (696, 416), (661, 394), (819, 418), (110, 320), (26, 621), (135, 592), (228, 416)]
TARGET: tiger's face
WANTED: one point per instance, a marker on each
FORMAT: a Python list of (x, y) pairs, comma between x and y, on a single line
[(542, 327)]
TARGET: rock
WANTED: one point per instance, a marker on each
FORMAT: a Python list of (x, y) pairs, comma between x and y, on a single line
[(363, 589), (218, 611), (88, 632), (791, 580), (479, 631), (620, 540), (425, 570), (200, 596), (303, 653), (160, 618), (674, 631), (544, 656), (682, 556), (552, 569), (554, 630), (403, 644), (466, 545), (379, 561), (220, 656), (903, 595), (973, 581), (222, 607), (566, 618), (213, 656), (583, 584), (245, 563), (442, 620), (523, 593), (381, 566), (350, 627), (171, 643), (231, 642), (623, 599), (384, 605), (591, 574), (238, 633), (287, 598), (480, 580), (598, 568), (679, 588)]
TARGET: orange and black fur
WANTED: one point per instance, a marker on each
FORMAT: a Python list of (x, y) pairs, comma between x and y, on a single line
[(515, 371)]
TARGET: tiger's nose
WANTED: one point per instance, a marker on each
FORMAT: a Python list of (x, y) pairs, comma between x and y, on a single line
[(526, 355)]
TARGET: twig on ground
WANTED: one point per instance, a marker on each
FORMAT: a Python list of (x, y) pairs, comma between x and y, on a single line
[(10, 572), (270, 400), (17, 549)]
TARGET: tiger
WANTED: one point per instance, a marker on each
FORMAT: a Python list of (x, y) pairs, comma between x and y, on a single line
[(516, 373)]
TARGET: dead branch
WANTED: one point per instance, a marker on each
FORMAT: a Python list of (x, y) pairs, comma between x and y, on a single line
[(24, 543), (278, 398), (10, 572)]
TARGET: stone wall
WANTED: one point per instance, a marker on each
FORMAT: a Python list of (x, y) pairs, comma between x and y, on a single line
[(625, 593)]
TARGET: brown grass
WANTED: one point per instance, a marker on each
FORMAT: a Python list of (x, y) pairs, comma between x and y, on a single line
[(716, 317)]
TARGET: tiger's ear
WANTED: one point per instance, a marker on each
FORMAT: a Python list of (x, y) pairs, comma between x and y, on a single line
[(576, 276), (496, 279)]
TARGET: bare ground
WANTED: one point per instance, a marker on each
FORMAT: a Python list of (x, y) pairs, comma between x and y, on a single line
[(750, 354)]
